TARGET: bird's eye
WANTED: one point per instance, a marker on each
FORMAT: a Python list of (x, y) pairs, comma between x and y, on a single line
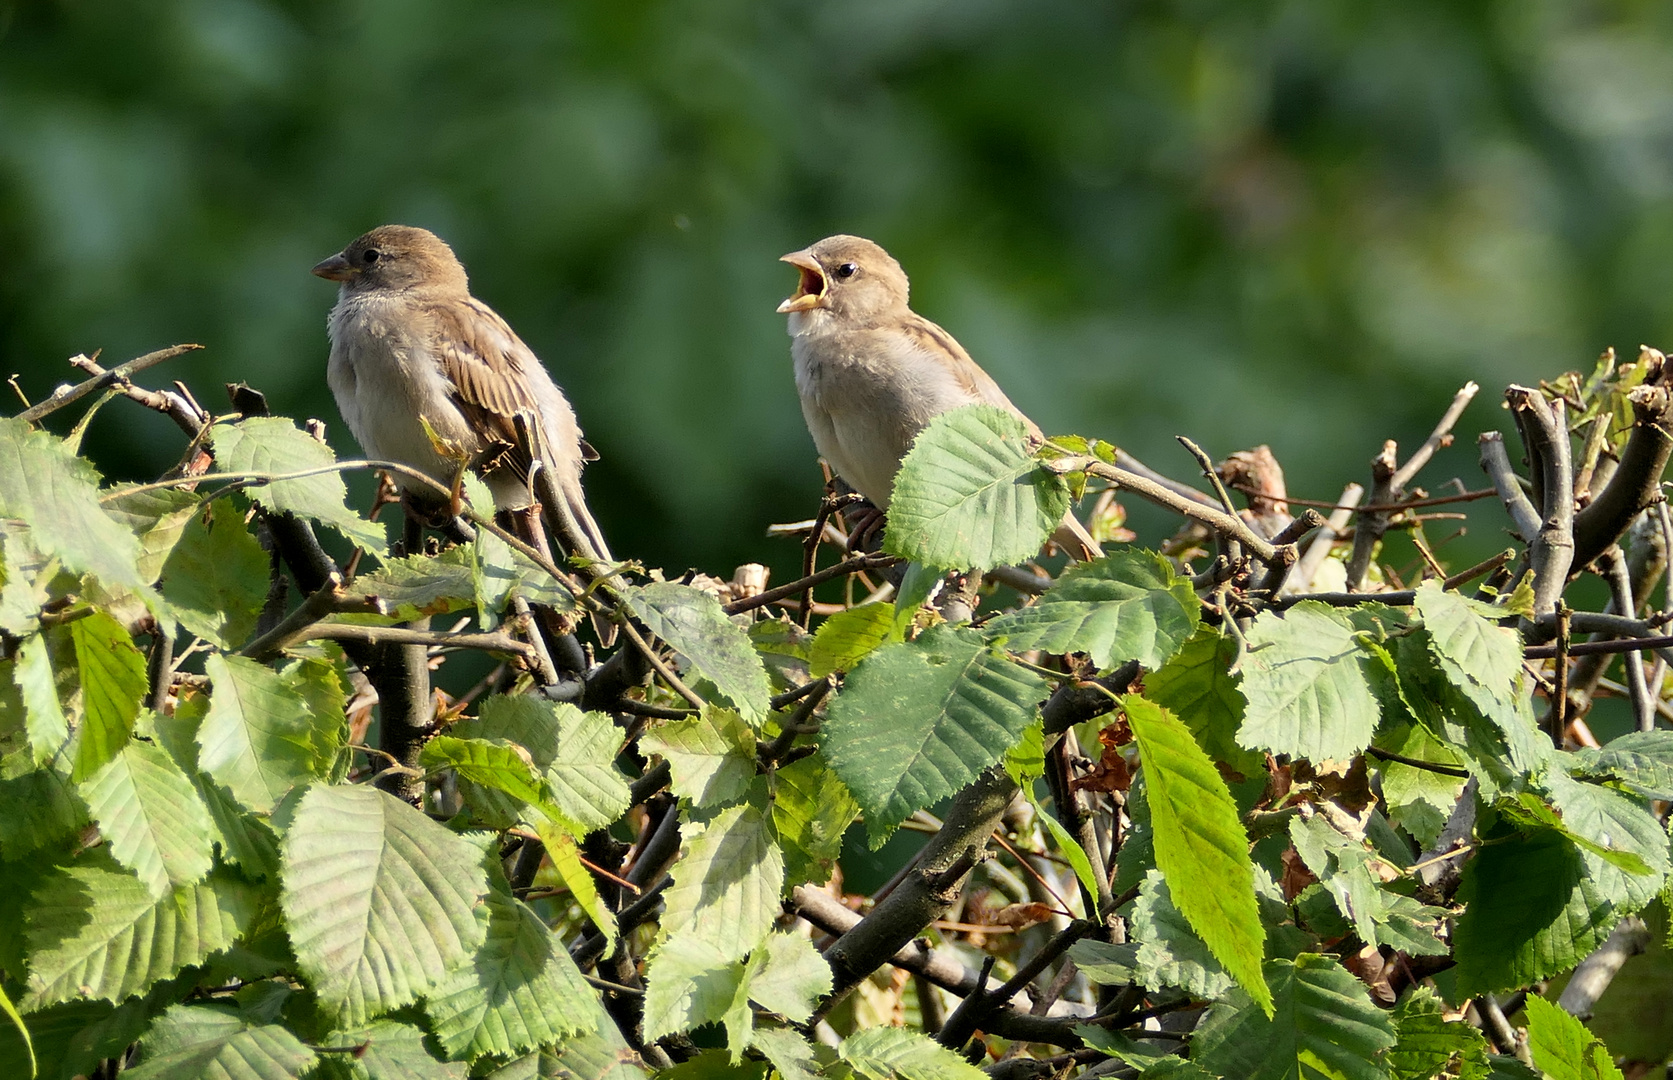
[(370, 256), (847, 270)]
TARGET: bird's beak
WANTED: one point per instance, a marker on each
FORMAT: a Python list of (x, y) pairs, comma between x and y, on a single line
[(810, 291), (335, 268)]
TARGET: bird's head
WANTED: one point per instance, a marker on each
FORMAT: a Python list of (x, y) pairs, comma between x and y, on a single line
[(398, 257), (848, 276)]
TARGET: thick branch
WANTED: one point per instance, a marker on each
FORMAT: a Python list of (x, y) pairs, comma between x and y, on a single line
[(1551, 552), (930, 890), (1637, 480)]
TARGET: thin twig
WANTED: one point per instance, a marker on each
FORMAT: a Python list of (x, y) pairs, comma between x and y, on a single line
[(848, 566), (65, 396)]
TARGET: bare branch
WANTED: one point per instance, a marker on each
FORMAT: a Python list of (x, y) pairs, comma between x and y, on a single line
[(69, 394)]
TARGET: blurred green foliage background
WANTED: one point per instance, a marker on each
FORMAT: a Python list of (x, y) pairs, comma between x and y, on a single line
[(1299, 222)]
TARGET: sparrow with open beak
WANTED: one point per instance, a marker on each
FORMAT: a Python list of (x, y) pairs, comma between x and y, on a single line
[(411, 347), (872, 373)]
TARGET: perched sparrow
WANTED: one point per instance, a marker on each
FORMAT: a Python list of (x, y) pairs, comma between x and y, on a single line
[(872, 373), (408, 341)]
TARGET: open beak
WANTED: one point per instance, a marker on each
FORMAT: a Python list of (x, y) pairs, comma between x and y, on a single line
[(335, 268), (810, 291)]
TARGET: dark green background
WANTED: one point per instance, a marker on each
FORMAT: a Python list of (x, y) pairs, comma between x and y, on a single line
[(1302, 223)]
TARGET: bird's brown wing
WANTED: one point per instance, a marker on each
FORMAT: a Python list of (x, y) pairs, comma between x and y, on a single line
[(487, 365), (943, 349)]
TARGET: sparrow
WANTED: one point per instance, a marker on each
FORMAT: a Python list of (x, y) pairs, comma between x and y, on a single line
[(410, 347), (872, 373)]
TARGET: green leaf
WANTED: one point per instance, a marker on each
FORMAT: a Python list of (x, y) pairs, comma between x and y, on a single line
[(892, 1053), (215, 581), (1642, 760), (1201, 847), (520, 991), (38, 809), (1624, 846), (422, 585), (158, 518), (1530, 911), (566, 864), (151, 816), (43, 713), (113, 683), (1169, 952), (1324, 1025), (1128, 605), (1025, 761), (689, 983), (96, 932), (917, 584), (1198, 687), (582, 774), (381, 902), (385, 1050), (1106, 964), (1306, 686), (273, 446), (496, 765), (726, 882), (267, 731), (598, 1053), (712, 756), (1343, 868), (788, 1053), (811, 810), (1068, 845), (970, 494), (846, 638), (693, 623), (22, 588), (1479, 656), (1419, 800), (918, 721), (788, 976), (1563, 1048), (210, 1042), (575, 751), (1426, 1040), (11, 1012), (57, 495)]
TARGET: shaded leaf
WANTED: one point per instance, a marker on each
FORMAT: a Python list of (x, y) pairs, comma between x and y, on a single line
[(113, 683), (1306, 686), (726, 883), (96, 932), (216, 579), (1197, 687), (381, 902), (1128, 605), (1323, 1025), (151, 816), (693, 623), (274, 446), (917, 721)]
